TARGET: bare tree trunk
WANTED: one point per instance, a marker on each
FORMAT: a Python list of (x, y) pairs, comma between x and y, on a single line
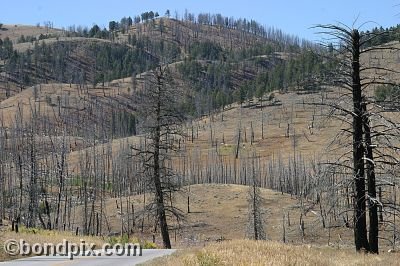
[(372, 199), (157, 177), (360, 222)]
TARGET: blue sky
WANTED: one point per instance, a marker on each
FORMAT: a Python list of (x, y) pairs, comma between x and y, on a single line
[(294, 17)]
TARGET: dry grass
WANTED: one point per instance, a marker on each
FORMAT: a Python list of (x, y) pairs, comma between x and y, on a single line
[(246, 252), (23, 47), (276, 120), (32, 236), (220, 212), (14, 32), (384, 59)]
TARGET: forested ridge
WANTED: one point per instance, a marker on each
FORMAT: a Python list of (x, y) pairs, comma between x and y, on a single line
[(223, 59)]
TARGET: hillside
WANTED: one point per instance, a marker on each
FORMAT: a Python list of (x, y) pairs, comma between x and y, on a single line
[(227, 59), (70, 60), (185, 33), (220, 213), (14, 32)]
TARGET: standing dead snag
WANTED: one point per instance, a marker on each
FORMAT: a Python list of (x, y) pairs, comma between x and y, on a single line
[(255, 228), (370, 174), (238, 142), (352, 75), (360, 220), (158, 104)]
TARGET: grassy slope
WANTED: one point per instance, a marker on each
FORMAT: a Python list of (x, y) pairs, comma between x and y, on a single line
[(220, 212), (14, 32), (246, 252)]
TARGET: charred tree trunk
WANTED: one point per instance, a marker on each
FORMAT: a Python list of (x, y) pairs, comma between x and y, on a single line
[(372, 199), (360, 221), (157, 177)]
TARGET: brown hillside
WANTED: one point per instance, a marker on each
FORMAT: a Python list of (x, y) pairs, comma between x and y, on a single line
[(14, 32)]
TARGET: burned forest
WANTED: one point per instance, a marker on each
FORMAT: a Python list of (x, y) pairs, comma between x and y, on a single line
[(180, 130)]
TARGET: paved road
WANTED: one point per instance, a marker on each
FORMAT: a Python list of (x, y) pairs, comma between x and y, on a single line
[(147, 254)]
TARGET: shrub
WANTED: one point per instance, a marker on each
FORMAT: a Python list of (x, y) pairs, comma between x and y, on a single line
[(271, 97), (126, 240), (207, 259), (149, 245), (387, 92)]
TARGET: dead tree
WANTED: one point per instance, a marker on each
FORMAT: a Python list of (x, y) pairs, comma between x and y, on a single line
[(162, 119), (255, 229), (354, 108)]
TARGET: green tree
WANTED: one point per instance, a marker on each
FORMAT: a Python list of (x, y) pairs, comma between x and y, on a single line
[(136, 19), (112, 25), (94, 31)]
